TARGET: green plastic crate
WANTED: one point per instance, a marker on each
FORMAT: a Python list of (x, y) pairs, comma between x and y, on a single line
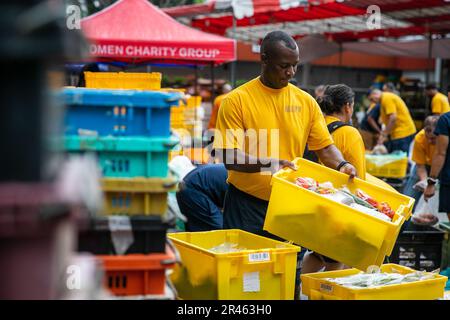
[(126, 157)]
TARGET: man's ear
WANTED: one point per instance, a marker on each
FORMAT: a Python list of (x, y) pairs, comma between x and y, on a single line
[(264, 58)]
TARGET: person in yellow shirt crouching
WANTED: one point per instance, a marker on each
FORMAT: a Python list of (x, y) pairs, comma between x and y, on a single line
[(422, 156), (439, 101), (399, 128)]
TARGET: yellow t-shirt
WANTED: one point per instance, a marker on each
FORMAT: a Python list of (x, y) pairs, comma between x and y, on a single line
[(440, 104), (349, 141), (277, 123), (404, 125), (422, 151)]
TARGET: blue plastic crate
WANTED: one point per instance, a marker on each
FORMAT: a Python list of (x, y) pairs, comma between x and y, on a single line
[(126, 157), (119, 112)]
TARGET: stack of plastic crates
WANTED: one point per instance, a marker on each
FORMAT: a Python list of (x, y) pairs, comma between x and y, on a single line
[(188, 116), (129, 133)]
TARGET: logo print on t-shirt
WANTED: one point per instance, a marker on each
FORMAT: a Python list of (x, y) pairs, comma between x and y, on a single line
[(292, 109)]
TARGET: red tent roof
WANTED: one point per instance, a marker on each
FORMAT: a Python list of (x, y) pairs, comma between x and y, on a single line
[(137, 31), (339, 20)]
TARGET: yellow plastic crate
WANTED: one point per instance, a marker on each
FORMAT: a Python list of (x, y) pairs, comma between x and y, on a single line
[(265, 271), (331, 228), (176, 117), (393, 169), (316, 287), (123, 80), (138, 196), (194, 102)]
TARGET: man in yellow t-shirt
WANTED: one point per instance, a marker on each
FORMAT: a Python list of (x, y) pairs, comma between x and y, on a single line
[(439, 101), (399, 128), (216, 105), (422, 156), (263, 125)]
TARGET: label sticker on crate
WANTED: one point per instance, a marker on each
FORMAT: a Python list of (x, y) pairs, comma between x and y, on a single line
[(326, 287), (119, 223), (121, 233), (259, 256), (251, 282)]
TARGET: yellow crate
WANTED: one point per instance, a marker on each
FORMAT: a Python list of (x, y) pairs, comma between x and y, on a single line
[(176, 117), (386, 166), (194, 102), (123, 80), (266, 270), (137, 196), (331, 228), (316, 287)]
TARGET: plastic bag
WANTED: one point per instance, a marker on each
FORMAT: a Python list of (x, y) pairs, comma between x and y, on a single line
[(427, 212)]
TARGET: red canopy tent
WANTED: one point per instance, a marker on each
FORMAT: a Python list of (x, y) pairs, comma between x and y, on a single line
[(340, 21), (136, 31)]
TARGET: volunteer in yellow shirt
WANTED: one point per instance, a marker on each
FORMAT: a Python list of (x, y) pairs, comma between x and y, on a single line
[(422, 156), (337, 105), (216, 105), (399, 126), (439, 101), (260, 128), (263, 125)]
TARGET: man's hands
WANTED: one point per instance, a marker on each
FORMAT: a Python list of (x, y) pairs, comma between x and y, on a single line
[(382, 138), (420, 186), (277, 164), (349, 169)]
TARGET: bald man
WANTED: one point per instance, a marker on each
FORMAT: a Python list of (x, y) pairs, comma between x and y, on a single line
[(262, 126)]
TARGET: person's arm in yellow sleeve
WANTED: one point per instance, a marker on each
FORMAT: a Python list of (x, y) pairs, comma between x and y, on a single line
[(391, 114), (228, 138), (356, 152)]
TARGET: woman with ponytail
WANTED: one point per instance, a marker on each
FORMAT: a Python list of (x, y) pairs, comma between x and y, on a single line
[(337, 104)]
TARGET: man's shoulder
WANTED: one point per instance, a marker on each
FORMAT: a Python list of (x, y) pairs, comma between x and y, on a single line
[(420, 136), (302, 95), (241, 91)]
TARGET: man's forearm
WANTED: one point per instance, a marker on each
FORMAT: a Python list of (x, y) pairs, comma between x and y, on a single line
[(330, 156), (374, 124), (390, 125), (422, 172), (240, 161)]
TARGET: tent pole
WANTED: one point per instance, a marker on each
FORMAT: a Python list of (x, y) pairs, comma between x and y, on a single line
[(430, 46), (233, 64)]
